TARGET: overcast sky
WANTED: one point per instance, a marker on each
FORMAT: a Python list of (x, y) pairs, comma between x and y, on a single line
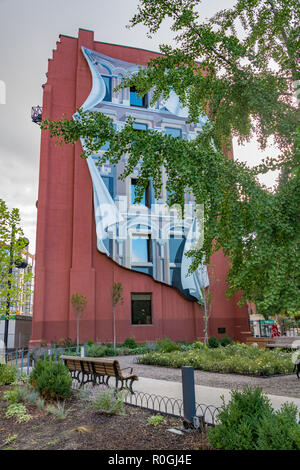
[(29, 30)]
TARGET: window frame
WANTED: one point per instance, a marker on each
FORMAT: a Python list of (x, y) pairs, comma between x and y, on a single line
[(151, 308)]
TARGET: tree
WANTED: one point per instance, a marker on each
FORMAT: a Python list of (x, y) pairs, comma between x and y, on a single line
[(12, 245), (117, 297), (243, 95), (78, 302), (206, 302)]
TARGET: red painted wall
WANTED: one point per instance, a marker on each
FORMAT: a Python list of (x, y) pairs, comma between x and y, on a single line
[(67, 259)]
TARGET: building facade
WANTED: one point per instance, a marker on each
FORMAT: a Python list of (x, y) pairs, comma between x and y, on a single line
[(90, 231)]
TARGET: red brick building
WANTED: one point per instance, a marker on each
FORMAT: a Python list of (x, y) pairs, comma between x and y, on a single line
[(67, 257)]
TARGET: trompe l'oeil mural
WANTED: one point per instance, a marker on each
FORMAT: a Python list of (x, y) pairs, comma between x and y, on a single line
[(148, 237)]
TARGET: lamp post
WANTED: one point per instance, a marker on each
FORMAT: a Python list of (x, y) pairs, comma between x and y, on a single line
[(20, 265)]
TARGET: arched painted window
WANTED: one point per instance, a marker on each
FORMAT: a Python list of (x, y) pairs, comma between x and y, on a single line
[(107, 78)]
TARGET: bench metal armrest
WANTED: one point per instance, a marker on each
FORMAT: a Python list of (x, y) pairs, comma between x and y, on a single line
[(131, 369)]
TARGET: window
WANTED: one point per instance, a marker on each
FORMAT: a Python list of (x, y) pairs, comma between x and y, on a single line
[(141, 251), (109, 183), (173, 131), (107, 82), (136, 100), (176, 246), (140, 126), (146, 196), (141, 309)]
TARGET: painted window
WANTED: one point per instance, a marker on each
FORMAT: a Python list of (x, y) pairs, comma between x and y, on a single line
[(140, 126), (176, 246), (173, 131), (107, 82), (109, 183), (141, 309), (141, 249), (146, 201), (136, 100)]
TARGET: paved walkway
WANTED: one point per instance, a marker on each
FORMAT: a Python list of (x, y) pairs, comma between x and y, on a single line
[(204, 395), (152, 381)]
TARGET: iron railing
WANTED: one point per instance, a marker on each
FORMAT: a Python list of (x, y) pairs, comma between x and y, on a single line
[(24, 360)]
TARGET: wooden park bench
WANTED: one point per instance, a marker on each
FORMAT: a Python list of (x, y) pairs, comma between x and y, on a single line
[(284, 342), (99, 371)]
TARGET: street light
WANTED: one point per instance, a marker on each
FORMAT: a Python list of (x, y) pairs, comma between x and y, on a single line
[(20, 264)]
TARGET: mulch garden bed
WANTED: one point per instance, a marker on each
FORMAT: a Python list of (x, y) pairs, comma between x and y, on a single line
[(85, 429)]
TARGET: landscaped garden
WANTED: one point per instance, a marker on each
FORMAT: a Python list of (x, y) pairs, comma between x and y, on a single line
[(233, 358), (221, 355), (43, 412)]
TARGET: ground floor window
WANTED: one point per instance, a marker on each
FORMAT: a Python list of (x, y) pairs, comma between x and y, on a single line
[(141, 309)]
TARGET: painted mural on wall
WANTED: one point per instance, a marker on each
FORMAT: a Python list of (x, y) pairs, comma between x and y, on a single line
[(147, 237)]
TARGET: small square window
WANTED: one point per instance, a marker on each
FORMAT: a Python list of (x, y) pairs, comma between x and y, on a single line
[(173, 131), (146, 196), (137, 100), (140, 126), (141, 309), (221, 330)]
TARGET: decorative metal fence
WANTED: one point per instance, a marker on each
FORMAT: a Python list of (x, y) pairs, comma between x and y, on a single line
[(24, 360)]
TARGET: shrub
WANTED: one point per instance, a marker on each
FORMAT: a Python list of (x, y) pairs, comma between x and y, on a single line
[(197, 345), (110, 401), (166, 346), (248, 422), (234, 358), (8, 374), (51, 379), (225, 341), (130, 343), (12, 395), (213, 342), (90, 342)]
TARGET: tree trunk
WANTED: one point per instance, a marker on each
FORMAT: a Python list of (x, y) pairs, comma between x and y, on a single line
[(114, 320), (77, 333)]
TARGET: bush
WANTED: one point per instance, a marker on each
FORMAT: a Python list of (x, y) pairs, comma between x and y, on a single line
[(130, 343), (51, 379), (166, 346), (8, 374), (213, 342), (225, 341), (248, 422), (235, 358), (110, 401)]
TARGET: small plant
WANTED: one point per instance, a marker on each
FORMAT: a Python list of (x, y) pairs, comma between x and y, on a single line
[(19, 411), (156, 420), (213, 342), (51, 379), (90, 342), (225, 341), (12, 395), (40, 403), (109, 402), (10, 439), (58, 410), (130, 343), (8, 374), (166, 345)]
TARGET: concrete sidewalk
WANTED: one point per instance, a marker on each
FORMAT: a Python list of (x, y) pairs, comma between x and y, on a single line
[(204, 395)]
